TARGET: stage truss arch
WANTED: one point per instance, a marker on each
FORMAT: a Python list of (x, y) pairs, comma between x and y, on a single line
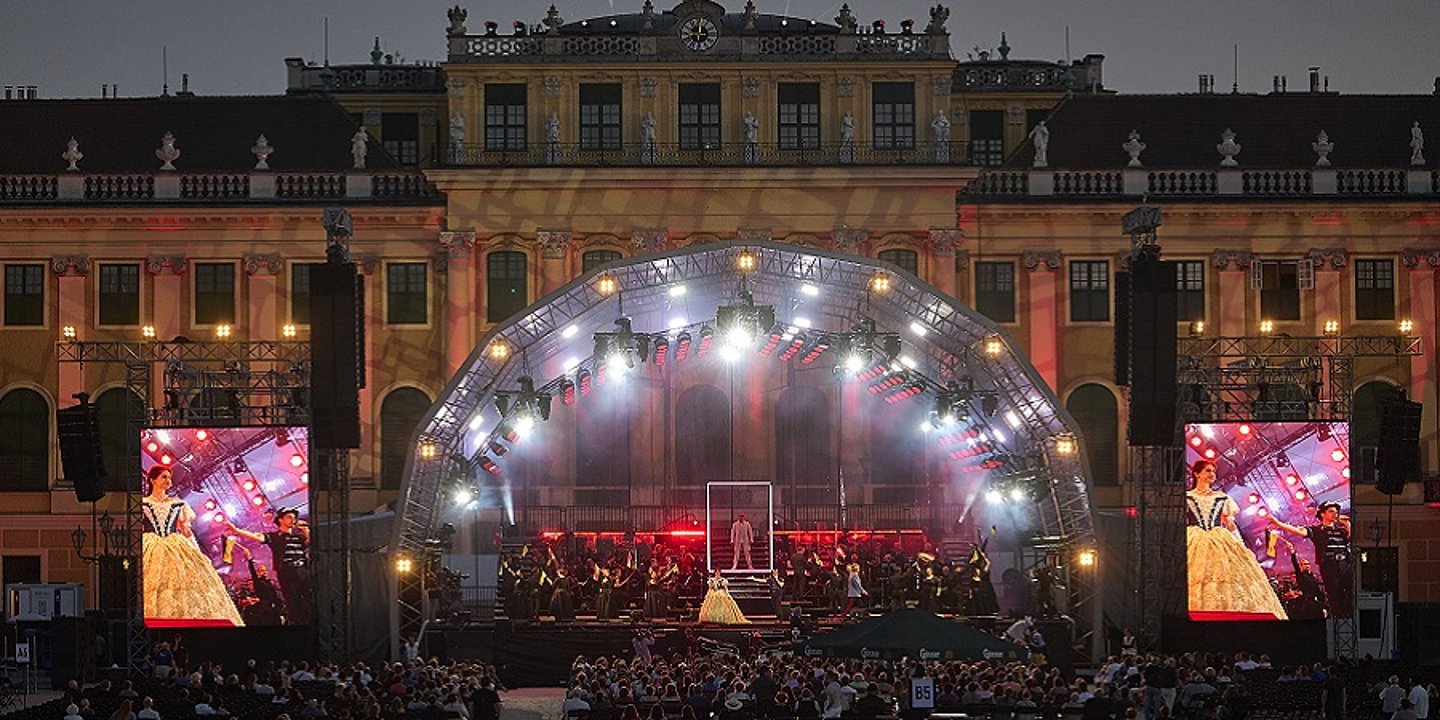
[(544, 340)]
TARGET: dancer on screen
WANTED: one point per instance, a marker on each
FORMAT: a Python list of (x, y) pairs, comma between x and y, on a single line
[(180, 583), (1331, 537), (1224, 576)]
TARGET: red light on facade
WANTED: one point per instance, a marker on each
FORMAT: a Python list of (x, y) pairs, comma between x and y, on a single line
[(1132, 511), (296, 460)]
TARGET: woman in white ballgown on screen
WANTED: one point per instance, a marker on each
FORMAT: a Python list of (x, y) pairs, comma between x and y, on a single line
[(179, 580), (1224, 575), (718, 606)]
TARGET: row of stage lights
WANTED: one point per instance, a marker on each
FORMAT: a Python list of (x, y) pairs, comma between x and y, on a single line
[(1331, 328), (156, 446), (1295, 484), (223, 331)]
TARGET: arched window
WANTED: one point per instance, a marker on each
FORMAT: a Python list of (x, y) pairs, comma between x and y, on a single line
[(25, 441), (803, 438), (1365, 407), (399, 415), (702, 436), (1096, 411), (113, 417), (507, 289), (595, 258), (907, 260), (602, 440)]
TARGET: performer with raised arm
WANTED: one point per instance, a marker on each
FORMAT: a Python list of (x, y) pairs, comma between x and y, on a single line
[(289, 546), (1331, 538)]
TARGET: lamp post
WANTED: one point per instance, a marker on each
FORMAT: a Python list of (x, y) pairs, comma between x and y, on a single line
[(109, 546)]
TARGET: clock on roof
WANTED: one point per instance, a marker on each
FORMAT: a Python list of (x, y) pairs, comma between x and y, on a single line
[(699, 33)]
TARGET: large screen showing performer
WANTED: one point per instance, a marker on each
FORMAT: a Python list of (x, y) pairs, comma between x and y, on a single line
[(227, 533), (1267, 515)]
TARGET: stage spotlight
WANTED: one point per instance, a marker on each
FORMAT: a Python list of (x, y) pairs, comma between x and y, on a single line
[(1197, 328), (739, 336), (289, 331), (1337, 455), (464, 496), (1086, 558), (607, 284), (706, 336), (746, 261), (499, 350), (1332, 327), (166, 460), (803, 322), (994, 497), (989, 404), (729, 353), (148, 332), (620, 361), (569, 331), (854, 363), (68, 332), (676, 291), (880, 283), (994, 346), (524, 424), (1017, 494), (1065, 445), (918, 329), (428, 451), (404, 565), (809, 290), (822, 344), (678, 322), (662, 350), (1292, 479), (1267, 327), (1407, 327), (222, 332), (682, 346), (1301, 494), (489, 465), (202, 435), (583, 378)]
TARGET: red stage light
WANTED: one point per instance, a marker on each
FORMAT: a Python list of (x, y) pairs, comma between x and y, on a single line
[(248, 485), (1301, 494), (166, 459), (567, 389), (211, 505), (1337, 455), (257, 501), (1196, 441), (772, 343), (1291, 479), (706, 335), (152, 446), (794, 349), (1244, 429), (682, 346), (1132, 511), (662, 352), (489, 466), (1254, 498), (296, 460), (583, 378), (1209, 453), (201, 435), (821, 345)]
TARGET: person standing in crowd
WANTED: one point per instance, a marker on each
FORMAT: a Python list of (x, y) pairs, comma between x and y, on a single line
[(1391, 695), (1331, 538), (1332, 695), (1419, 698)]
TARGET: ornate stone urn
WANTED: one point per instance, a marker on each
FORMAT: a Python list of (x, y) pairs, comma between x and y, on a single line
[(1322, 147), (262, 150), (1228, 148), (1134, 147), (72, 155), (168, 153)]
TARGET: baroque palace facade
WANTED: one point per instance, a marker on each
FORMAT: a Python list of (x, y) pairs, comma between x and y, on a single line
[(534, 155)]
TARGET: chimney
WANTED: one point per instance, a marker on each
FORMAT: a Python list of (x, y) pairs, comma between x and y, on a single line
[(9, 92), (1207, 84), (1284, 83), (1315, 79)]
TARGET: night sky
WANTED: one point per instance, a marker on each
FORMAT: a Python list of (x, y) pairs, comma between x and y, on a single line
[(70, 47)]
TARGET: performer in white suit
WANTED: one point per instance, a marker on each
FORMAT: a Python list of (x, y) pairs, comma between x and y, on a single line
[(741, 535)]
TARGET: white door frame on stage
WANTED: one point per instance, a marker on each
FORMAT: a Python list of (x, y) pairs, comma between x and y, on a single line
[(769, 519)]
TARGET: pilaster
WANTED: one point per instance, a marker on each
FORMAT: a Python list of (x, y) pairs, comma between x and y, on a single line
[(167, 274), (1329, 264), (367, 463), (1231, 284), (1042, 312), (1422, 266), (262, 321), (71, 272), (555, 251), (943, 243), (459, 315)]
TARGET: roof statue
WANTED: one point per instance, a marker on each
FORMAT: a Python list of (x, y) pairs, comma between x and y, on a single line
[(1322, 147), (846, 20), (262, 150), (552, 20), (359, 146), (72, 155), (750, 15), (1228, 148), (376, 53), (1134, 147), (938, 15), (1040, 137), (168, 153), (457, 17), (647, 15), (1417, 145)]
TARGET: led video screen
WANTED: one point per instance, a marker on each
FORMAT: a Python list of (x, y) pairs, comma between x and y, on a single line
[(1267, 515), (227, 534)]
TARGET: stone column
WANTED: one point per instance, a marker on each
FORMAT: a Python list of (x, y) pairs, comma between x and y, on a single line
[(1042, 312), (1329, 264), (262, 321), (71, 272), (943, 243), (367, 465), (555, 255), (458, 263), (1231, 286), (167, 314), (1422, 266)]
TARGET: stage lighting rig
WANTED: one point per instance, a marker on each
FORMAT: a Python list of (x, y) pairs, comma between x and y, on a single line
[(863, 342), (741, 324), (524, 408), (623, 348)]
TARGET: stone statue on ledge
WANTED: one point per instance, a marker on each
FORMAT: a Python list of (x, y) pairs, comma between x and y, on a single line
[(1417, 145), (1228, 148), (1040, 138), (1134, 147), (1322, 147), (359, 146), (262, 150), (72, 155), (168, 153)]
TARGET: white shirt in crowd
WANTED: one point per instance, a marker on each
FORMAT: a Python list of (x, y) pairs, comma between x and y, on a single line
[(1421, 700)]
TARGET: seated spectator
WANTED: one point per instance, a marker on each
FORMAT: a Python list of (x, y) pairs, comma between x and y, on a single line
[(872, 705), (147, 710)]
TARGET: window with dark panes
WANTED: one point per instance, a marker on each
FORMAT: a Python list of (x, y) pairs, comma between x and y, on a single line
[(300, 293), (799, 115), (401, 136), (25, 443), (1279, 290), (906, 260), (505, 116), (25, 294), (595, 258), (1097, 412), (1374, 290), (1089, 290), (699, 116), (995, 290), (893, 114), (119, 294), (214, 293), (507, 291), (1190, 290), (400, 413), (987, 137), (406, 295), (600, 116)]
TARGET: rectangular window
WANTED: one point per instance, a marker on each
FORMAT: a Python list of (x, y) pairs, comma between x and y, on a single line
[(907, 260), (799, 114), (1279, 284), (1089, 290), (995, 290), (300, 293), (25, 294), (401, 136), (214, 293), (595, 258), (405, 294), (699, 116), (119, 294), (505, 116), (893, 111), (1374, 290), (600, 116), (507, 291), (987, 137), (1190, 290)]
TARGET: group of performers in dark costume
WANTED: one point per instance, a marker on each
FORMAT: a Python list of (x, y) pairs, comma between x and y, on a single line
[(571, 576)]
